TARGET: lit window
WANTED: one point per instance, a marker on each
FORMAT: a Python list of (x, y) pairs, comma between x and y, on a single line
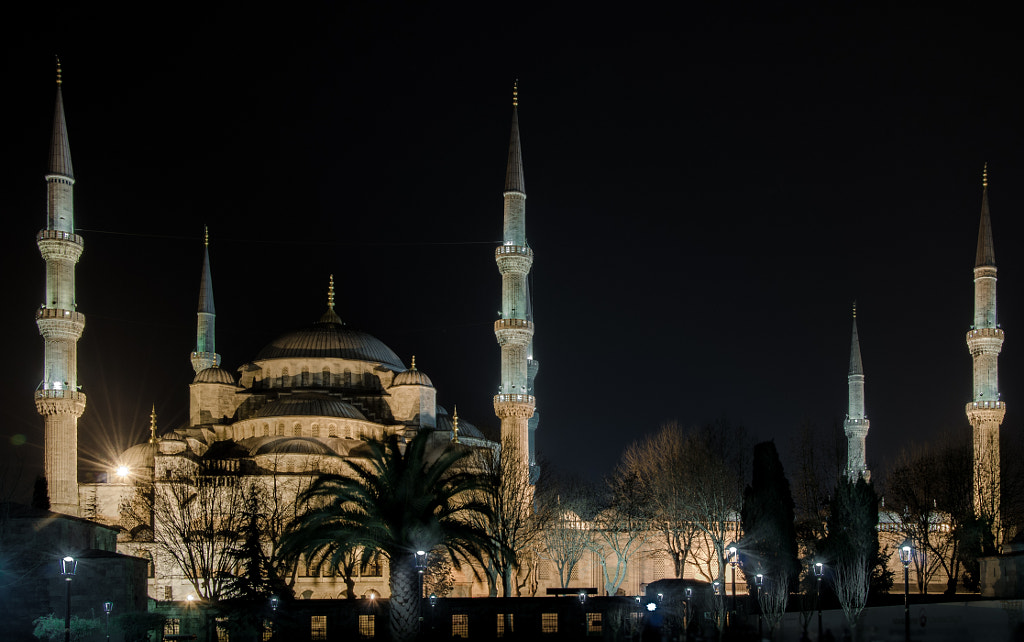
[(503, 620), (318, 627), (172, 626), (366, 624), (549, 622), (594, 624), (460, 625)]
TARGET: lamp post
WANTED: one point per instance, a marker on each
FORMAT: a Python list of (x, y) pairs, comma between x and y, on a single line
[(421, 566), (906, 553), (733, 554), (107, 608), (686, 613), (68, 566), (275, 601), (433, 603), (759, 582), (819, 571)]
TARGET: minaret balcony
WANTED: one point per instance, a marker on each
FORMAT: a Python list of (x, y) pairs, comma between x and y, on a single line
[(976, 405), (59, 236), (985, 412), (513, 259), (57, 313), (60, 402), (514, 406), (985, 340)]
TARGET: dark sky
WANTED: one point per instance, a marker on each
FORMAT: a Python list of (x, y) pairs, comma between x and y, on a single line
[(707, 195)]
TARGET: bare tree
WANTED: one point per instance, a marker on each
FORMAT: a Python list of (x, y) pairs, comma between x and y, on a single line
[(773, 597), (851, 579), (514, 524), (197, 520), (622, 527), (568, 534)]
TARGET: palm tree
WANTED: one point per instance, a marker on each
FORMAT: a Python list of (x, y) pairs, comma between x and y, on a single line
[(395, 501)]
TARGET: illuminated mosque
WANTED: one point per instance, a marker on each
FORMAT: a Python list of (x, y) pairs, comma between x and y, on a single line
[(304, 403)]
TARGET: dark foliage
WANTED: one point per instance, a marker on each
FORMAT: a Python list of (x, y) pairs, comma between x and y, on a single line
[(769, 541)]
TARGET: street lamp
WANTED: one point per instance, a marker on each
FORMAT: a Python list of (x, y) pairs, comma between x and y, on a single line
[(275, 602), (759, 582), (107, 608), (819, 570), (583, 597), (68, 566), (906, 553), (733, 554), (686, 613)]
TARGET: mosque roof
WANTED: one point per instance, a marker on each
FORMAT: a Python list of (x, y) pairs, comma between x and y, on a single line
[(329, 338), (139, 456), (294, 446), (215, 374), (310, 407)]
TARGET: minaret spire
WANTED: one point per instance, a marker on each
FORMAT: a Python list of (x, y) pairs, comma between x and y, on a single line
[(856, 425), (205, 355), (58, 398), (515, 404), (152, 425), (986, 410)]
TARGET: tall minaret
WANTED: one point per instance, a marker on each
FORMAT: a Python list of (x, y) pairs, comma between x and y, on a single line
[(58, 398), (856, 424), (514, 404), (205, 355), (985, 341)]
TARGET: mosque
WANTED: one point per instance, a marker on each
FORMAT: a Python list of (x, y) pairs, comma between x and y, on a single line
[(304, 402)]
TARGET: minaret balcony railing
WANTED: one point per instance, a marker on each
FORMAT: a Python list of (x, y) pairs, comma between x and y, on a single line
[(57, 313), (505, 250), (979, 333), (509, 324), (60, 394), (978, 405), (530, 399), (59, 235)]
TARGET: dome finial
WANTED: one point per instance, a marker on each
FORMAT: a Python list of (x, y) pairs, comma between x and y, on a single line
[(330, 293), (58, 70), (152, 425), (515, 93), (455, 425), (206, 236), (984, 175), (855, 308), (413, 366)]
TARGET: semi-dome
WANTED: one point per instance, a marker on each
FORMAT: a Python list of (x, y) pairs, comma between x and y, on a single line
[(310, 407), (329, 338), (215, 374), (138, 456), (295, 446), (466, 429), (412, 377)]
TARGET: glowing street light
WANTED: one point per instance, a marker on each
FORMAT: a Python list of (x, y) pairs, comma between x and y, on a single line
[(819, 571), (733, 557), (906, 554), (68, 566), (123, 472), (107, 608)]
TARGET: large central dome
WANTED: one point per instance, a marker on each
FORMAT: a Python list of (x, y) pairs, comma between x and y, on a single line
[(329, 338)]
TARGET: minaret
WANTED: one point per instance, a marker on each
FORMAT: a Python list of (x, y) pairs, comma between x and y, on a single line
[(205, 355), (514, 405), (856, 424), (985, 341), (58, 398)]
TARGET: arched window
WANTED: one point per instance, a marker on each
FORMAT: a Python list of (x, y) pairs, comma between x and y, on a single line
[(347, 378), (325, 378), (315, 430), (332, 430), (285, 381), (146, 555), (297, 429), (266, 430), (280, 429), (305, 376)]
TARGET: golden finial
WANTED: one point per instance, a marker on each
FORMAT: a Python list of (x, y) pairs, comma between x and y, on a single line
[(854, 308), (455, 425), (515, 93), (58, 70), (206, 236), (413, 366), (152, 425), (984, 173), (330, 293)]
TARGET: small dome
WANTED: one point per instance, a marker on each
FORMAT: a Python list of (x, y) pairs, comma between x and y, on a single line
[(138, 456), (310, 407), (294, 446), (412, 377), (215, 374), (329, 338)]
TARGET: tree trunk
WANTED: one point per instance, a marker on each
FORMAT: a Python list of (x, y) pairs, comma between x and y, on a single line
[(405, 601)]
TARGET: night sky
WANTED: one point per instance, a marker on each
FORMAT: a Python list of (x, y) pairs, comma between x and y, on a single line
[(707, 196)]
